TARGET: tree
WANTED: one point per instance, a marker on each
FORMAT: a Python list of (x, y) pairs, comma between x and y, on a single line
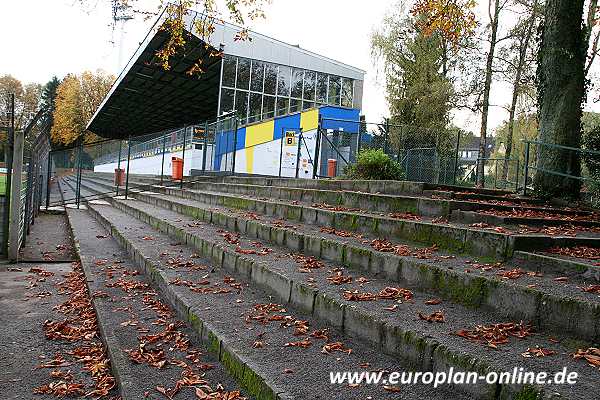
[(524, 127), (561, 91), (49, 99), (174, 22), (494, 9), (417, 91), (27, 99), (77, 98), (522, 34)]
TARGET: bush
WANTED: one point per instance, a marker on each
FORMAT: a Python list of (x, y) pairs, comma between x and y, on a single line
[(374, 164), (591, 141)]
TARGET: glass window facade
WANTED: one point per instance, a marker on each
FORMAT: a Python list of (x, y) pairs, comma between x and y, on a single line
[(260, 90)]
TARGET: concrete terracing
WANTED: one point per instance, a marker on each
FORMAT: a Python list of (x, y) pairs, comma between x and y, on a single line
[(364, 260)]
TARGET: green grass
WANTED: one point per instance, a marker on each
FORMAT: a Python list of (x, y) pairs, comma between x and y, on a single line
[(2, 185)]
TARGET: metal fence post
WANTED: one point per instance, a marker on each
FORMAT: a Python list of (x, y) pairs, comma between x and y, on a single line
[(205, 147), (281, 150), (162, 165), (517, 176), (317, 152), (15, 194), (79, 158), (48, 180), (128, 162), (387, 136), (235, 131), (185, 129), (526, 172), (456, 157), (9, 167), (118, 180), (298, 152)]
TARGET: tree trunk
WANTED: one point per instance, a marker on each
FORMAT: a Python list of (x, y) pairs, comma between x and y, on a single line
[(561, 90), (516, 89), (486, 96)]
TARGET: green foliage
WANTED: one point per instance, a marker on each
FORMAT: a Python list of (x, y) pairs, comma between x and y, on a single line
[(594, 190), (417, 88), (591, 141), (374, 164)]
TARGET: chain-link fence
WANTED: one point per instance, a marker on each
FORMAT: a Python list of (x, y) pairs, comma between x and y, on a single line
[(23, 162), (442, 156)]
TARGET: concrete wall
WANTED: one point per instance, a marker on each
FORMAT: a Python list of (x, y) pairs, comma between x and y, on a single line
[(152, 165)]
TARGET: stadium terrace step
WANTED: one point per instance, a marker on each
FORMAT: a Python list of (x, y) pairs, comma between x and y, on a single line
[(128, 309), (425, 345), (449, 276), (129, 313), (528, 216), (273, 351), (559, 266)]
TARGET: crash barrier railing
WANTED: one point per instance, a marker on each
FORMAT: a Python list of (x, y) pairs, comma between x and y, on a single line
[(562, 163)]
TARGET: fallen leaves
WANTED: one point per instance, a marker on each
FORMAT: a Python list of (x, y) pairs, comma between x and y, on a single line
[(341, 233), (335, 346), (80, 327), (338, 278), (433, 302), (329, 207), (591, 355), (537, 351), (584, 252), (61, 389), (308, 263), (302, 343), (405, 215), (437, 316), (591, 289), (386, 246), (496, 334), (388, 293)]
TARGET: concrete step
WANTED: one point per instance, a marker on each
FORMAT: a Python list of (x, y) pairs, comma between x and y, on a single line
[(127, 309), (545, 263), (466, 281), (253, 352), (364, 320)]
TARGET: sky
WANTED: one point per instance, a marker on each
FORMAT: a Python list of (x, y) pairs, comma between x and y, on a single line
[(43, 38)]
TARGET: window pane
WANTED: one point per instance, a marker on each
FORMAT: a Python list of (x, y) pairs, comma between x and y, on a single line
[(334, 90), (283, 81), (322, 88), (308, 104), (229, 71), (347, 85), (297, 76), (270, 78), (255, 107), (268, 107), (309, 85), (243, 75), (258, 75), (226, 100), (295, 105), (241, 104), (283, 104)]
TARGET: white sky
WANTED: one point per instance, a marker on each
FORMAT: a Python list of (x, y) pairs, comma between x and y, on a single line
[(42, 38)]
